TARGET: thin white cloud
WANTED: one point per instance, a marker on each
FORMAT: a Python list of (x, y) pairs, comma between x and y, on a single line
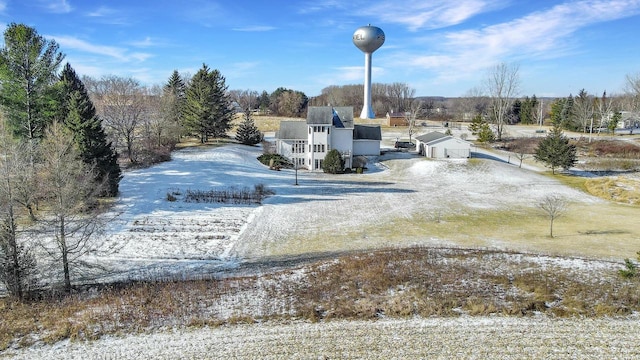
[(58, 6), (241, 69), (322, 5), (144, 43), (540, 35), (420, 14), (3, 6), (255, 28), (138, 56), (117, 53), (102, 11)]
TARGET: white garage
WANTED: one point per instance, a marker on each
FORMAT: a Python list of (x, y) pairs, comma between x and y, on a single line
[(437, 145)]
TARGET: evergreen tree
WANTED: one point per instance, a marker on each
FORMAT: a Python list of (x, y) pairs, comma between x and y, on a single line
[(481, 129), (613, 123), (28, 66), (264, 101), (248, 133), (527, 110), (207, 112), (222, 111), (333, 162), (80, 117), (174, 101), (516, 111), (556, 151)]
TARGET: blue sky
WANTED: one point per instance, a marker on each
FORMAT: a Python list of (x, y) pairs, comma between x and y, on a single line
[(438, 47)]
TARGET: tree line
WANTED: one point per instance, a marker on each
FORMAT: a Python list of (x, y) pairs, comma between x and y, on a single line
[(63, 140), (55, 161)]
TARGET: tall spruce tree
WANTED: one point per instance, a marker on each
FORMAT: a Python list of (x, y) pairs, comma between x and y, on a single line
[(174, 101), (207, 111), (248, 133), (79, 116), (223, 113), (28, 67), (556, 151)]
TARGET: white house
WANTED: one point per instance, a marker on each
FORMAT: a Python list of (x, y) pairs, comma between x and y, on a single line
[(437, 145), (326, 128)]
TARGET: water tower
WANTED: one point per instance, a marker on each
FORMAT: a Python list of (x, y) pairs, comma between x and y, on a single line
[(368, 39)]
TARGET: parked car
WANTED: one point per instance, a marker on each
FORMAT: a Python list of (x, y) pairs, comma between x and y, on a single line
[(404, 145)]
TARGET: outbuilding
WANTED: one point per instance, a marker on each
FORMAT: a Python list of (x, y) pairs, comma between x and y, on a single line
[(437, 145)]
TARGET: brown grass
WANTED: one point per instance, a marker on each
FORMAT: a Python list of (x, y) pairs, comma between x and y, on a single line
[(399, 283)]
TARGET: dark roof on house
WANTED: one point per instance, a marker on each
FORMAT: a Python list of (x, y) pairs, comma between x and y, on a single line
[(435, 135), (367, 132), (396, 115), (339, 116), (292, 130)]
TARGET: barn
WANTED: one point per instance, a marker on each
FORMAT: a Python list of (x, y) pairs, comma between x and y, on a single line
[(437, 145)]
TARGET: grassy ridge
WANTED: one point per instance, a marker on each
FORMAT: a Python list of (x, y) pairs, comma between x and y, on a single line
[(396, 283)]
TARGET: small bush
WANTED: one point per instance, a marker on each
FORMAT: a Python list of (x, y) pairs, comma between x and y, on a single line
[(275, 160), (630, 269), (231, 195), (333, 162)]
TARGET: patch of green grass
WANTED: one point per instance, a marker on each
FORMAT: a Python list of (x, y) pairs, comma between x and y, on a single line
[(581, 231)]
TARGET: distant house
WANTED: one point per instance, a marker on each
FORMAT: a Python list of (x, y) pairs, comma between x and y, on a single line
[(307, 142), (629, 119), (437, 145), (396, 119)]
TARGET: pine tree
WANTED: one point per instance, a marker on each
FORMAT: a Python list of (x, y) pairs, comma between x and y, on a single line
[(174, 100), (333, 162), (248, 133), (481, 129), (207, 112), (28, 66), (556, 151), (80, 117)]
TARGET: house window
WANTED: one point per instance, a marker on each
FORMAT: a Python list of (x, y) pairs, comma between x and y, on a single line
[(328, 130), (309, 130)]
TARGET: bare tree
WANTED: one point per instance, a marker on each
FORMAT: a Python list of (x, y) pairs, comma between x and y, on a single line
[(71, 200), (246, 99), (288, 103), (523, 148), (502, 86), (472, 103), (583, 110), (415, 110), (553, 206), (631, 101), (120, 102), (17, 264), (400, 96), (603, 110)]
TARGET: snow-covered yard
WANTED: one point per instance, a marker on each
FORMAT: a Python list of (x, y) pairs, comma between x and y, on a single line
[(152, 237), (401, 200)]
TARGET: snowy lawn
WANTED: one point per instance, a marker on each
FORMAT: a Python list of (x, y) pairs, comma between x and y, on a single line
[(401, 200)]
